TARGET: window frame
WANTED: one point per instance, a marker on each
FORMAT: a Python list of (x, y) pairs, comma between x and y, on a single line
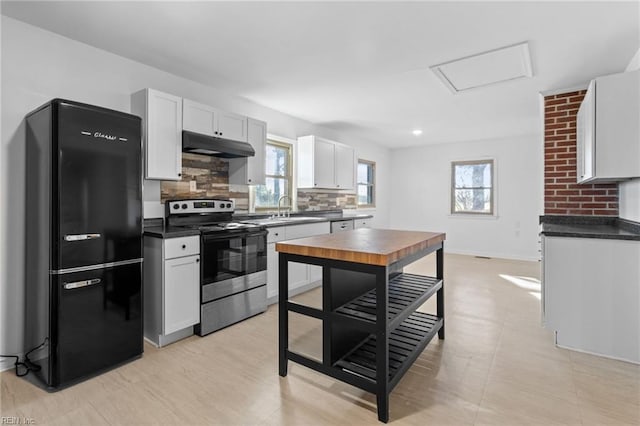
[(368, 184), (492, 194), (289, 177)]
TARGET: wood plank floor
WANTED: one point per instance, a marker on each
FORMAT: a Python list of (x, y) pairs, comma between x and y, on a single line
[(497, 366)]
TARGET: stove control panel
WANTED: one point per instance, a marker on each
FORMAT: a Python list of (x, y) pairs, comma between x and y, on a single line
[(199, 206)]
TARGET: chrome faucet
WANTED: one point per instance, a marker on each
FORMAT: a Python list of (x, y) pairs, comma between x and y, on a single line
[(279, 200)]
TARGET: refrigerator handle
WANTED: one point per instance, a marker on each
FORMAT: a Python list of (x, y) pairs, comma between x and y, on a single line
[(81, 237), (83, 283)]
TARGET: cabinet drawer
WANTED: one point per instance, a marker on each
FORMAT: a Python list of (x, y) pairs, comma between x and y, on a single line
[(276, 234), (183, 246), (341, 225), (362, 223), (307, 230)]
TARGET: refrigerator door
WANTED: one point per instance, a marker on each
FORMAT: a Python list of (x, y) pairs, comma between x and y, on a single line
[(99, 194), (99, 321)]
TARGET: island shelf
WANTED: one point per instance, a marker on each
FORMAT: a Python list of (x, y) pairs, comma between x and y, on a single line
[(371, 329)]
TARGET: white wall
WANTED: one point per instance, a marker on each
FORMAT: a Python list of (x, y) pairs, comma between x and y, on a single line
[(37, 66), (629, 192), (421, 196)]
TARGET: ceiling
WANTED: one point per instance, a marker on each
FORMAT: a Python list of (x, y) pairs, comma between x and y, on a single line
[(361, 67)]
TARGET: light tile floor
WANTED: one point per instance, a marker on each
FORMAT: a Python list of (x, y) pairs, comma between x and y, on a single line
[(496, 366)]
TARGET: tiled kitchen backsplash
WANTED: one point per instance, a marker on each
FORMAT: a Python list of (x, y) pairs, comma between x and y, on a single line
[(211, 175), (308, 200)]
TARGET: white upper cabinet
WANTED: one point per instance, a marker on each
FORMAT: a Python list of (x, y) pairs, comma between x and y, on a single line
[(232, 126), (325, 164), (322, 163), (608, 129), (161, 115), (345, 166), (250, 170), (199, 118), (207, 120)]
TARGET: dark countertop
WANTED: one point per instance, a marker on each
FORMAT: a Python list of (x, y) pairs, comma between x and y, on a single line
[(312, 213), (317, 215), (284, 222), (156, 228), (169, 231), (351, 217), (612, 228)]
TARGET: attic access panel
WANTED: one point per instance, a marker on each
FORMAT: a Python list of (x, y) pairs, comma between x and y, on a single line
[(483, 69)]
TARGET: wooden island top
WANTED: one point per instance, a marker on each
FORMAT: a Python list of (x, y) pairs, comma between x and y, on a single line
[(369, 246)]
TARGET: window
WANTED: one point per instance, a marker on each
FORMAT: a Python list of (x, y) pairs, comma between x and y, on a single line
[(472, 187), (277, 176), (366, 183)]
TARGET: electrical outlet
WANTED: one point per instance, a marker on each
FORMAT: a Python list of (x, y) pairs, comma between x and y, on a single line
[(192, 186)]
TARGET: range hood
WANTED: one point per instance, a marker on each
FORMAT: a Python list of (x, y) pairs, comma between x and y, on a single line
[(217, 147)]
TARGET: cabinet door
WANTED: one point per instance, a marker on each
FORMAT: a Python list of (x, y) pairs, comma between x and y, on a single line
[(250, 170), (617, 126), (181, 299), (298, 273), (257, 137), (585, 156), (199, 118), (163, 140), (272, 271), (592, 297), (324, 164), (345, 166), (232, 126)]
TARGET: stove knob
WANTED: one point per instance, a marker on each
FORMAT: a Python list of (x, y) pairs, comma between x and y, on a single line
[(228, 206), (184, 206), (176, 206)]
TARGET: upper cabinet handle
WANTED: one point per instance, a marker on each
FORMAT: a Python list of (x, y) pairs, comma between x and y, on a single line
[(81, 237)]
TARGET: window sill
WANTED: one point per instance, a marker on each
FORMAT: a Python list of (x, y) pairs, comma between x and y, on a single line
[(473, 216)]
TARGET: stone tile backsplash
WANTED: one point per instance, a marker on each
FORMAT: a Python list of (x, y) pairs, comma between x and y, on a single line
[(308, 200), (211, 175)]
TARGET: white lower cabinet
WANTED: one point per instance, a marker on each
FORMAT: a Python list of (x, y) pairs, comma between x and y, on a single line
[(591, 295), (171, 288), (181, 297), (301, 276)]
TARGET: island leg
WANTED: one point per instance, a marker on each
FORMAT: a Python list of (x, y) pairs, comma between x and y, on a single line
[(283, 315), (382, 345), (440, 294), (383, 407)]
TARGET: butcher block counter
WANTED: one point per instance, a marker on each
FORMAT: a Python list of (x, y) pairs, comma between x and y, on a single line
[(366, 298), (368, 246)]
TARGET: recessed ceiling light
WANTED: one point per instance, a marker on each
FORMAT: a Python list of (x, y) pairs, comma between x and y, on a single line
[(483, 69), (417, 132)]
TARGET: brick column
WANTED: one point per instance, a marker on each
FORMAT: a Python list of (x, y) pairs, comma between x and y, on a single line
[(562, 195)]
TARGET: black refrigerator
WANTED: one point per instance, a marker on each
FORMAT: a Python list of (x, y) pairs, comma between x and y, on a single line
[(83, 241)]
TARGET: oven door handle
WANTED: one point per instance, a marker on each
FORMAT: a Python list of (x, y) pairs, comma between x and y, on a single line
[(218, 237)]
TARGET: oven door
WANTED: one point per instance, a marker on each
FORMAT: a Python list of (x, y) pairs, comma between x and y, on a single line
[(232, 262)]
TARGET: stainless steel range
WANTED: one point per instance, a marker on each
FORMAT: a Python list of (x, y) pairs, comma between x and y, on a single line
[(233, 266)]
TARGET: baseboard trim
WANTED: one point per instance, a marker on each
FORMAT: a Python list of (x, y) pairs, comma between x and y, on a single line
[(504, 256), (630, 361)]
